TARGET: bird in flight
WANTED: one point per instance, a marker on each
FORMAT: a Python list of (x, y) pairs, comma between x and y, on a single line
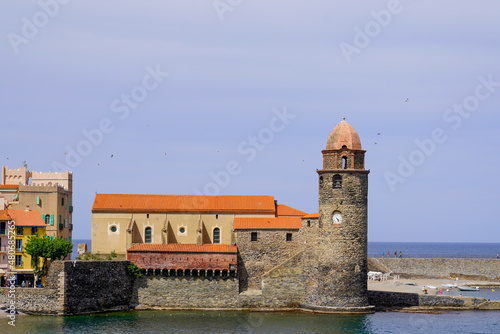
[(407, 99)]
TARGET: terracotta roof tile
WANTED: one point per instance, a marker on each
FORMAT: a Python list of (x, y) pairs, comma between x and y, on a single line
[(312, 215), (183, 203), (26, 218), (284, 210), (184, 248), (9, 186), (278, 223), (4, 215)]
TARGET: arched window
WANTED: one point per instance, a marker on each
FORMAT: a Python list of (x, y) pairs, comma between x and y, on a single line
[(344, 162), (321, 181), (147, 235), (337, 181), (47, 219), (216, 235)]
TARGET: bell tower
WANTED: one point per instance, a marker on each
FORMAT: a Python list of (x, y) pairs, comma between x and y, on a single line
[(337, 262)]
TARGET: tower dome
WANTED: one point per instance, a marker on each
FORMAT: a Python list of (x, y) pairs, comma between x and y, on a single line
[(343, 135)]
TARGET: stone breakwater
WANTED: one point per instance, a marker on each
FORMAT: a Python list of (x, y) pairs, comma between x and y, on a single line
[(386, 300), (487, 269)]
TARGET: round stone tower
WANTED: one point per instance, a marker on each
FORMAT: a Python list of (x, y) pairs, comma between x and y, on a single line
[(337, 261)]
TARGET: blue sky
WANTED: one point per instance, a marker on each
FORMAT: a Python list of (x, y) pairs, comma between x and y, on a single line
[(174, 94)]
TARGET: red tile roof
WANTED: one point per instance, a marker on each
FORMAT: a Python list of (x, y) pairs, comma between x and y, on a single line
[(312, 215), (183, 203), (9, 186), (26, 218), (284, 210), (4, 215), (278, 223), (184, 248)]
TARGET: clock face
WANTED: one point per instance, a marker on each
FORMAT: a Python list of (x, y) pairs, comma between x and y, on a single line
[(337, 217)]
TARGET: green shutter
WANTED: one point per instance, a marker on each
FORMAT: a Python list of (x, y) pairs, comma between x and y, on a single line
[(38, 200), (52, 220)]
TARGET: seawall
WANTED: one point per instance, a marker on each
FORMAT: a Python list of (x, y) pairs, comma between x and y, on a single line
[(78, 287), (486, 269), (85, 287)]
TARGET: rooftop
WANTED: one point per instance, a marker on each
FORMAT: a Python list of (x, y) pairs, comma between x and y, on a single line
[(343, 135), (132, 203), (9, 186), (4, 215), (278, 223), (26, 217), (311, 216), (184, 248), (285, 210)]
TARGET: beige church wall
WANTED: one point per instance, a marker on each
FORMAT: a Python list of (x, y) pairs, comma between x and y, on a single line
[(104, 240), (222, 221), (189, 222)]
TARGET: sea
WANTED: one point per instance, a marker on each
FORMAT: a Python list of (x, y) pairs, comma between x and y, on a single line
[(161, 321), (407, 249)]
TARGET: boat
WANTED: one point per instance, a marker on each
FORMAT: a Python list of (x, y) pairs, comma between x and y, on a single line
[(449, 286), (410, 283), (431, 287), (467, 288)]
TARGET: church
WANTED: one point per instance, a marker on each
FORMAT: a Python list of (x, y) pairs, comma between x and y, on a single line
[(247, 237)]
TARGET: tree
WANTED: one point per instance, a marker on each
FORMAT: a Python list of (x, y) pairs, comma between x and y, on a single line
[(42, 248)]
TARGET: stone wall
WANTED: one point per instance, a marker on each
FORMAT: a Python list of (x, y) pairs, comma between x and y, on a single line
[(282, 288), (466, 268), (257, 257), (34, 300), (187, 292), (97, 286), (78, 287)]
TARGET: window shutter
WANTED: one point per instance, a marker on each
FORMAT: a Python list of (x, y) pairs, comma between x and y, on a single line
[(52, 220), (38, 200)]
